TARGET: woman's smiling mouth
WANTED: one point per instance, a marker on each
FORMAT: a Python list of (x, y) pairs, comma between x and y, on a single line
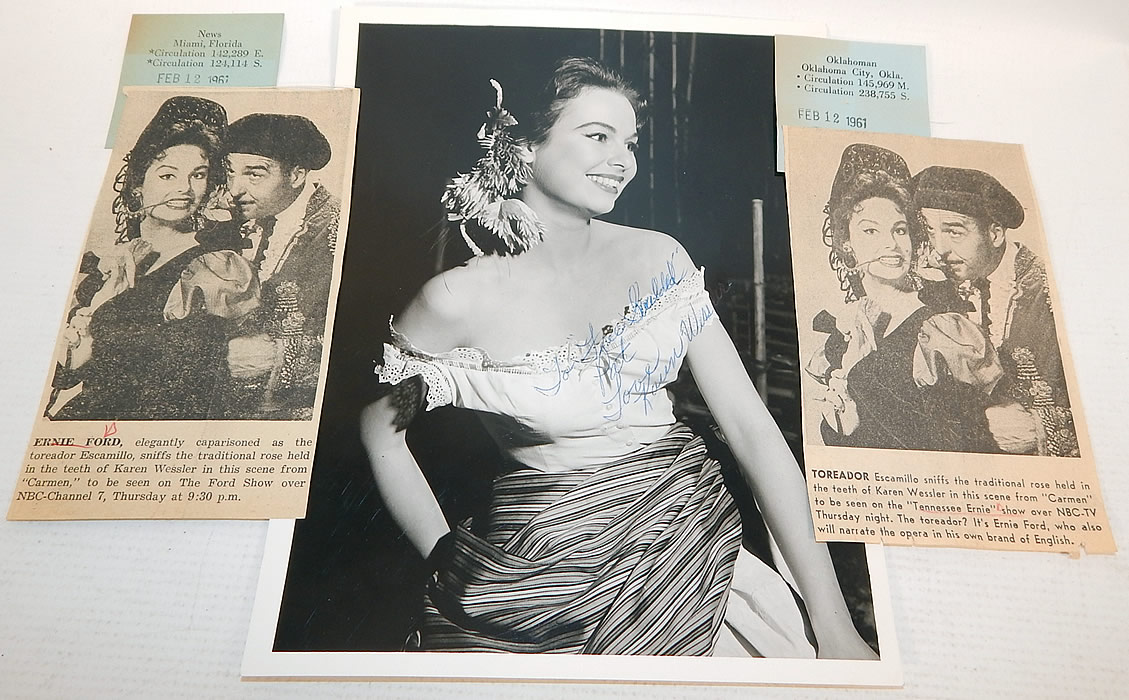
[(608, 183), (178, 203)]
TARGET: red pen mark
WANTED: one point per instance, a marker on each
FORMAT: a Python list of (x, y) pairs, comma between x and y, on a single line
[(998, 510), (111, 429)]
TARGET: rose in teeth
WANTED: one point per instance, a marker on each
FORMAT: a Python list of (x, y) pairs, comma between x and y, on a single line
[(878, 231)]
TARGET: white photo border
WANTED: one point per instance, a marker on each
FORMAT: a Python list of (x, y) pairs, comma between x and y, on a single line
[(261, 662)]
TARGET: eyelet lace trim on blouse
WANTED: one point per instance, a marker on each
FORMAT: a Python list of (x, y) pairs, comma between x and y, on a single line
[(402, 360)]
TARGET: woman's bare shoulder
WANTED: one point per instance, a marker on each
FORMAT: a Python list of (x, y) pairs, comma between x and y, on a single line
[(441, 313), (652, 249)]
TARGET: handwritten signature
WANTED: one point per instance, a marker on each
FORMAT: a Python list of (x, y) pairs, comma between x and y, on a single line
[(637, 305), (609, 351), (662, 372)]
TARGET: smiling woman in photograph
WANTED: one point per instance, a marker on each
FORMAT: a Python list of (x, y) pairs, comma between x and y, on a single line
[(610, 529), (901, 368), (147, 337)]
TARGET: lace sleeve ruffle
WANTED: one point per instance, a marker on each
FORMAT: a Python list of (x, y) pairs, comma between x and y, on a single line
[(695, 300), (402, 361)]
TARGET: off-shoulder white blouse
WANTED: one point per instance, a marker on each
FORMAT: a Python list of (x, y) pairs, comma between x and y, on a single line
[(585, 402)]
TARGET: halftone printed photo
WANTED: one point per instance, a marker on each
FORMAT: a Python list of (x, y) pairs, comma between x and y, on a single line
[(939, 402)]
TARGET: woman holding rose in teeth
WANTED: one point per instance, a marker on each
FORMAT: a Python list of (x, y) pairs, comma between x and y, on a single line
[(147, 338), (901, 369)]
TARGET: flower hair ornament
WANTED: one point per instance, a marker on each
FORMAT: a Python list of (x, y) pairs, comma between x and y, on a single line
[(483, 198)]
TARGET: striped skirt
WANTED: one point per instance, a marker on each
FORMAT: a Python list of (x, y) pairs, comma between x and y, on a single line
[(633, 557)]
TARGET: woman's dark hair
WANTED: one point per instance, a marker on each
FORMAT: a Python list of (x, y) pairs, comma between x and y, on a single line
[(864, 186), (848, 195), (570, 77), (536, 117), (181, 121)]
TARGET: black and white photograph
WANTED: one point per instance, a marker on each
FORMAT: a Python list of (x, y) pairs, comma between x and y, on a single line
[(542, 431), (939, 333), (205, 286)]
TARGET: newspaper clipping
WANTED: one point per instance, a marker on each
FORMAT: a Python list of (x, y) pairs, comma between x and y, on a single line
[(190, 365), (939, 400)]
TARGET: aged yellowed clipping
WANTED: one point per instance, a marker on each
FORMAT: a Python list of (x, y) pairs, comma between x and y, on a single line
[(940, 406), (188, 376)]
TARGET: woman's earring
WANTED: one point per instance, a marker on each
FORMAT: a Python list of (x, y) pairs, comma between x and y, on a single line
[(854, 289), (135, 197)]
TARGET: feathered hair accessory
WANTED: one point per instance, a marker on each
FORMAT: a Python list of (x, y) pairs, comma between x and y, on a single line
[(482, 198)]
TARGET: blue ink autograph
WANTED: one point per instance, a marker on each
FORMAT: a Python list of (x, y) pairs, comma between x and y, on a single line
[(658, 375), (609, 351), (638, 306)]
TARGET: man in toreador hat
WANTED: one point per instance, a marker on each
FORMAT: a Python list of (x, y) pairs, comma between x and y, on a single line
[(968, 213), (288, 223)]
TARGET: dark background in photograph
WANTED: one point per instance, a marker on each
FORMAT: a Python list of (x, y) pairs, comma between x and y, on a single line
[(708, 150)]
